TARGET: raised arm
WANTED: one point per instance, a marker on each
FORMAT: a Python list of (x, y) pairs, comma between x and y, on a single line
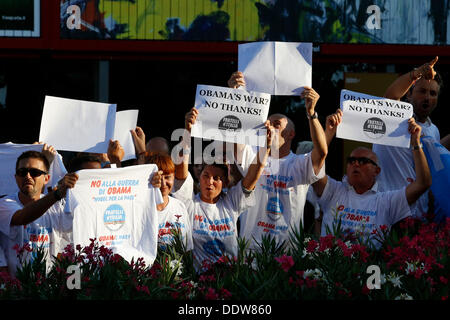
[(115, 152), (401, 85), (255, 169), (182, 167), (139, 144), (35, 209), (331, 124), (320, 149), (423, 176), (236, 80)]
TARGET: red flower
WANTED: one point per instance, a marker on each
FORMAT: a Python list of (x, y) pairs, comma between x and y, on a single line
[(443, 279), (211, 295), (286, 262), (225, 293), (312, 245)]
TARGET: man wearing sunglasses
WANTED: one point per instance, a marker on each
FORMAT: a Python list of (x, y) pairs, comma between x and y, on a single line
[(356, 202), (29, 217)]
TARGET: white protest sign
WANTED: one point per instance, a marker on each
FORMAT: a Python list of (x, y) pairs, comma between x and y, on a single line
[(9, 152), (77, 125), (126, 121), (231, 115), (117, 206), (278, 68), (373, 119)]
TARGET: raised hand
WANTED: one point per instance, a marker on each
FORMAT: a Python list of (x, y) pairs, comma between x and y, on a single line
[(236, 80)]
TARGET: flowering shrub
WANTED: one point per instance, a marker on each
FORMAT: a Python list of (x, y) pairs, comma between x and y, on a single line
[(413, 263)]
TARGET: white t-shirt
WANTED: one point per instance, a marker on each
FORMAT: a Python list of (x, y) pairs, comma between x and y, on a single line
[(361, 212), (117, 206), (214, 232), (174, 216), (280, 196), (3, 262), (397, 167), (50, 231)]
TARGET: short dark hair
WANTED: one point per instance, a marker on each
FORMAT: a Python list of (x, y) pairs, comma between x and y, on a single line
[(437, 78), (221, 166), (77, 162), (35, 155)]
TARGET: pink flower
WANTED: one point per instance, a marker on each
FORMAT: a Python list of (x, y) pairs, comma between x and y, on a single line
[(286, 262), (225, 293), (312, 245), (211, 295), (443, 279)]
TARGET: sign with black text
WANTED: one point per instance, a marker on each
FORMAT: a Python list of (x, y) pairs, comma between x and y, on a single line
[(374, 119), (231, 115)]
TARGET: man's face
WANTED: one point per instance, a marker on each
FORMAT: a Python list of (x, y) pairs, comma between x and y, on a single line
[(167, 183), (424, 97), (212, 180), (282, 132), (362, 174), (28, 185)]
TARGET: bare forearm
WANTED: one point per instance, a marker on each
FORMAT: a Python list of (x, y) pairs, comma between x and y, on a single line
[(255, 170), (33, 210), (319, 140)]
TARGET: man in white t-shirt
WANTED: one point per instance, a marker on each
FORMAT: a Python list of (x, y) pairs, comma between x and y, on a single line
[(357, 202), (281, 190), (421, 87), (29, 217)]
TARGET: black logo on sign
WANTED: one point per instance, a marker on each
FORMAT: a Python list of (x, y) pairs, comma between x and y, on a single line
[(230, 123), (374, 128)]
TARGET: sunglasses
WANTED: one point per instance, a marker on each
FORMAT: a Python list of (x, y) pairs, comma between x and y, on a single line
[(361, 160), (22, 172)]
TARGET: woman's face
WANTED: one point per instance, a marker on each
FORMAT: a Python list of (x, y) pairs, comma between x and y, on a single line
[(167, 183), (212, 180)]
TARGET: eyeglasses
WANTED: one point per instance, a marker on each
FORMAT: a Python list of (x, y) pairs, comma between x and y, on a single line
[(22, 172), (361, 160)]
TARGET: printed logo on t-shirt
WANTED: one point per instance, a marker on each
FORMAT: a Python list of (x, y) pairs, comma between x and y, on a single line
[(39, 237), (114, 217), (274, 208), (214, 247)]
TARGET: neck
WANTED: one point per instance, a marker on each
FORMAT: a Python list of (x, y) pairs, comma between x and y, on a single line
[(360, 189), (282, 152), (208, 200), (160, 207), (26, 199)]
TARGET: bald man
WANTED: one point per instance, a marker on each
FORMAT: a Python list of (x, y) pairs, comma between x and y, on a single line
[(282, 188), (356, 202)]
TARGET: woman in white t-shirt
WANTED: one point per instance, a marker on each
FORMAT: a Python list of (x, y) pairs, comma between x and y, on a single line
[(214, 213), (172, 213)]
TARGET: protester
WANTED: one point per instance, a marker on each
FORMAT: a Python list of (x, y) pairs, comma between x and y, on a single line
[(282, 188), (214, 214), (356, 202), (172, 213), (421, 87), (43, 216)]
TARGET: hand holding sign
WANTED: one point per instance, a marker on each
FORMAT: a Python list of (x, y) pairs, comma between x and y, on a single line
[(236, 80), (415, 131), (311, 97)]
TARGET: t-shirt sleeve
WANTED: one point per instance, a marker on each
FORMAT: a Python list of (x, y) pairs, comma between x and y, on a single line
[(183, 189), (302, 170), (3, 262), (398, 206), (238, 200), (7, 209)]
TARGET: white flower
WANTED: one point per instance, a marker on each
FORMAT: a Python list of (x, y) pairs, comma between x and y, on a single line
[(316, 274), (404, 296), (307, 240), (395, 280), (382, 279), (412, 267), (176, 265)]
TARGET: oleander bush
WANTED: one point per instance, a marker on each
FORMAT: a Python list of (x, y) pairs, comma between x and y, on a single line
[(413, 263)]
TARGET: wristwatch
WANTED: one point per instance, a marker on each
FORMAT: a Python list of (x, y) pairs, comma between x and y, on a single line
[(314, 116), (417, 147)]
